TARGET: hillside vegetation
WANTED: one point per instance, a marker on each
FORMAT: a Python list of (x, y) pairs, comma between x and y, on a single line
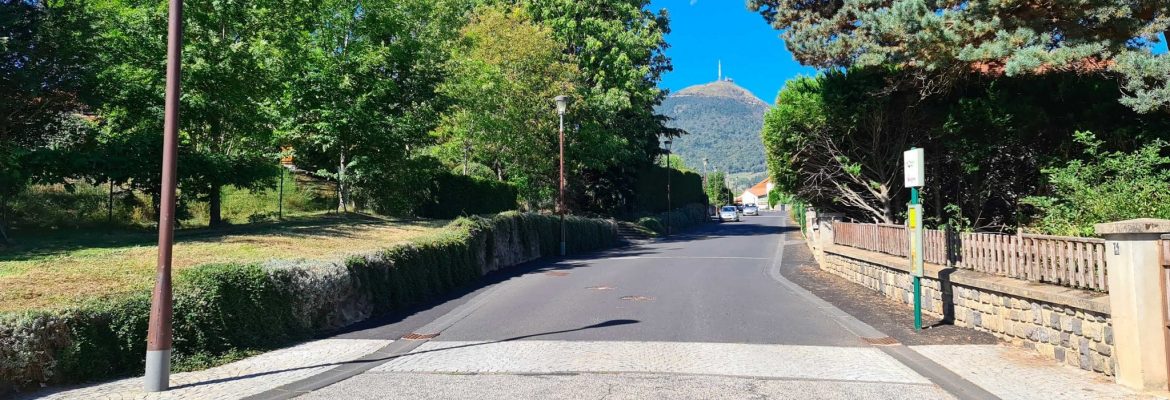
[(723, 123)]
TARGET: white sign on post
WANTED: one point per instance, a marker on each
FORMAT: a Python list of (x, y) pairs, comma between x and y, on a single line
[(914, 168)]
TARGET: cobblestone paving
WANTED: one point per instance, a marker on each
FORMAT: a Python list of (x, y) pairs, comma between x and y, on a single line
[(421, 386), (864, 364), (1012, 373), (242, 378)]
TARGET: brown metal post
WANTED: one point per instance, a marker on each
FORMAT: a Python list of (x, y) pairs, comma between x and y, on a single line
[(158, 337), (561, 198)]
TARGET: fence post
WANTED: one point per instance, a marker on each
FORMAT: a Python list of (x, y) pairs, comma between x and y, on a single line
[(825, 221), (1136, 301)]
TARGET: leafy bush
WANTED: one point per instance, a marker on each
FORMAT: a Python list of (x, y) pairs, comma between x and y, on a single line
[(1104, 187), (652, 223), (230, 310)]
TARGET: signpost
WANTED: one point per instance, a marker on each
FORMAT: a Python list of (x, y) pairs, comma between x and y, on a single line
[(915, 176)]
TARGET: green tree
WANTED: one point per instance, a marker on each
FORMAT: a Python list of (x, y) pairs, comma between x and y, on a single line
[(612, 129), (230, 83), (362, 95), (504, 73), (947, 39), (45, 56)]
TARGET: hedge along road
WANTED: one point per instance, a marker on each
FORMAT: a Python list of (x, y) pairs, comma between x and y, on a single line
[(700, 315)]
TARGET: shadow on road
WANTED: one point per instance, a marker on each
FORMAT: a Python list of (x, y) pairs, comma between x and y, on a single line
[(380, 360)]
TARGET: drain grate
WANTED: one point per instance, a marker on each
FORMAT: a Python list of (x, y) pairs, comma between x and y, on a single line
[(420, 336), (882, 341), (637, 298), (600, 288), (556, 273)]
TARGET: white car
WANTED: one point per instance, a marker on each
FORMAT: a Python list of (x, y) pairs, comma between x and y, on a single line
[(751, 209), (729, 213)]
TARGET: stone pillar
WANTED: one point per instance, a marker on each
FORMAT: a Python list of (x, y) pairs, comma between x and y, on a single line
[(825, 224), (1136, 301), (812, 231)]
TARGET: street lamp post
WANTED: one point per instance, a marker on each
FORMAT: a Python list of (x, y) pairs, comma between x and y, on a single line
[(668, 205), (158, 336), (562, 104)]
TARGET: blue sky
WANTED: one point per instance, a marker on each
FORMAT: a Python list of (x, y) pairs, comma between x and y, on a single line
[(706, 31)]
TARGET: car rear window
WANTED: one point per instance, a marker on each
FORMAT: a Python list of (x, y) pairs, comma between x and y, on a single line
[(729, 208)]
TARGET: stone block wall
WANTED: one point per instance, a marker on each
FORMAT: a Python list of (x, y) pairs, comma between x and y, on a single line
[(1075, 336)]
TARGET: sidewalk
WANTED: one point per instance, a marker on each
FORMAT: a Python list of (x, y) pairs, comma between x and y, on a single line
[(235, 380), (1007, 371)]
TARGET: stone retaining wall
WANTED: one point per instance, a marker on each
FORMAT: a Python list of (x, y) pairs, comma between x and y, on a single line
[(1067, 325)]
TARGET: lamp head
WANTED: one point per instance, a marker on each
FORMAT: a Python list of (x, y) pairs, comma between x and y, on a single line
[(562, 104)]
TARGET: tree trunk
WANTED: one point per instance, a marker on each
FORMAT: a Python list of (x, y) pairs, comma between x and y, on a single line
[(341, 186), (215, 206)]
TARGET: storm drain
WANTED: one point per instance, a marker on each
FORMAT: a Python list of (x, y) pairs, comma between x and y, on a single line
[(637, 298), (420, 336), (600, 288), (556, 273), (882, 341)]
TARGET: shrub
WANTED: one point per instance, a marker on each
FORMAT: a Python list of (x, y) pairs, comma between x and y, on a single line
[(652, 223), (229, 309), (1106, 186)]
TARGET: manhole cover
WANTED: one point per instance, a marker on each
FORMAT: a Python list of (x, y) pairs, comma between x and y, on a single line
[(556, 273), (600, 288), (637, 298), (882, 341), (420, 336)]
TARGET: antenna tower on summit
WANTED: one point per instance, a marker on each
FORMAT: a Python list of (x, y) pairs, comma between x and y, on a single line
[(720, 76)]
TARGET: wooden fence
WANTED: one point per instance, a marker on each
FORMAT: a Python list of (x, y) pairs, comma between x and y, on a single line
[(1069, 261)]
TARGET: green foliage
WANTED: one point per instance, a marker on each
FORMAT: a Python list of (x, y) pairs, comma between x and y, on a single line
[(1104, 187), (722, 122), (504, 70), (986, 141), (453, 195), (716, 189), (228, 310), (940, 38), (650, 189), (677, 219)]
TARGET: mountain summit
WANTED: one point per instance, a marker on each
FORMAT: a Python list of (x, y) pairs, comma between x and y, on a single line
[(724, 88), (723, 122)]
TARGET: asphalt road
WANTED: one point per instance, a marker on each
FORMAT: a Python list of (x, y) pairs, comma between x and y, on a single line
[(703, 314)]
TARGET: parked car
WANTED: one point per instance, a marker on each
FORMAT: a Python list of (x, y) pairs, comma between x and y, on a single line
[(751, 209), (729, 213)]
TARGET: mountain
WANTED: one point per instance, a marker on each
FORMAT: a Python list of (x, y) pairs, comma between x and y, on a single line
[(723, 122)]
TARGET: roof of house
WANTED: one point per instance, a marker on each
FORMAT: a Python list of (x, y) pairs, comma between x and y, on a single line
[(760, 189)]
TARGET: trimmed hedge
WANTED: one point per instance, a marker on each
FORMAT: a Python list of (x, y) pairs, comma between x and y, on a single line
[(452, 196), (227, 308), (650, 189), (679, 218)]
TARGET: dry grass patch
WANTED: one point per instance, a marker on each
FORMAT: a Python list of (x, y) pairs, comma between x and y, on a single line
[(56, 270)]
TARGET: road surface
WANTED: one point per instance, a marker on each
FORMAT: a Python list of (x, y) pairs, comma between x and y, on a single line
[(704, 314)]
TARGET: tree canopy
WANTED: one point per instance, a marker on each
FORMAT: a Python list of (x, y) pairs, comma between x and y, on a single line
[(945, 39)]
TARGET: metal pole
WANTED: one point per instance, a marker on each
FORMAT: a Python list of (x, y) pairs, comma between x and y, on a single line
[(669, 208), (561, 199), (280, 198), (917, 279), (158, 336)]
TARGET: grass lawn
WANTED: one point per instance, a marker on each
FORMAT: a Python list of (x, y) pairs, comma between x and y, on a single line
[(62, 268)]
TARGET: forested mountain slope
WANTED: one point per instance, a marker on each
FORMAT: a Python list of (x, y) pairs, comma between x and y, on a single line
[(723, 121)]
